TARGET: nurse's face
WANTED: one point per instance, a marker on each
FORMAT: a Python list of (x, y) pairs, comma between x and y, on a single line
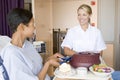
[(83, 17)]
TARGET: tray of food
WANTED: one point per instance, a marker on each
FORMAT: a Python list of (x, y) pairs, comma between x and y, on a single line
[(66, 71)]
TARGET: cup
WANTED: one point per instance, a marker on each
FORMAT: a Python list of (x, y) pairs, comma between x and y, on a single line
[(82, 70)]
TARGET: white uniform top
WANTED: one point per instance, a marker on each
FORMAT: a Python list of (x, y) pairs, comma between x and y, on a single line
[(79, 40), (22, 63)]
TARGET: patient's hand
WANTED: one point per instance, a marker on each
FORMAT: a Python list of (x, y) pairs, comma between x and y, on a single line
[(54, 59), (58, 55)]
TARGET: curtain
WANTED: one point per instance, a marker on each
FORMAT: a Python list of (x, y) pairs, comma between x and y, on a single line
[(5, 7)]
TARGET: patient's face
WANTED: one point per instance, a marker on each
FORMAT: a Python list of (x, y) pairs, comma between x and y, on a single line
[(29, 29)]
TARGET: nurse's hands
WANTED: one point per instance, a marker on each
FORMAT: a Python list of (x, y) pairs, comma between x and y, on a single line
[(54, 60)]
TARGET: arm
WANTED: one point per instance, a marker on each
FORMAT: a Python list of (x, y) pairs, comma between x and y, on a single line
[(100, 46), (67, 43), (68, 51), (54, 61), (43, 72)]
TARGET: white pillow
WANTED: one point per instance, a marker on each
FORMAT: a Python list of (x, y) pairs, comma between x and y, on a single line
[(0, 48), (3, 41)]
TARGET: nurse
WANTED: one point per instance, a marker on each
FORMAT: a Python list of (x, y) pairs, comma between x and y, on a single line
[(21, 60), (83, 37)]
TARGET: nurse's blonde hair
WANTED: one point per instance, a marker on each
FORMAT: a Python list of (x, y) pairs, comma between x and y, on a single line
[(86, 8)]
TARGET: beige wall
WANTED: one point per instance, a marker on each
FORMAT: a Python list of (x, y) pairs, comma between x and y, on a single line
[(108, 55), (43, 21)]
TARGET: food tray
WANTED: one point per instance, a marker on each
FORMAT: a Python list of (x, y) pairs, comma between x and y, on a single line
[(74, 75)]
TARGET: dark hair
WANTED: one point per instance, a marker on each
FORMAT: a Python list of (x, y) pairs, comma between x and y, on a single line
[(17, 16)]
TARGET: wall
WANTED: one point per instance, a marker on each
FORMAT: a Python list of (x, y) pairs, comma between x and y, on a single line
[(106, 23), (107, 19), (108, 55), (27, 1), (117, 36), (43, 23)]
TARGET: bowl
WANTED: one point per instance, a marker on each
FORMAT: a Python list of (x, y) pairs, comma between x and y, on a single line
[(102, 74)]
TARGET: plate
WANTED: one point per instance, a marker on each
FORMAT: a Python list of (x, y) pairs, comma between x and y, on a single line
[(101, 74), (64, 75)]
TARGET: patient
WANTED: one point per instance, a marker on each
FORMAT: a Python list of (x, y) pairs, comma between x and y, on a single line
[(21, 60), (84, 37)]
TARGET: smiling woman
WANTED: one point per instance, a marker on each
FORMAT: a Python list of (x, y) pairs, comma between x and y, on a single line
[(83, 37)]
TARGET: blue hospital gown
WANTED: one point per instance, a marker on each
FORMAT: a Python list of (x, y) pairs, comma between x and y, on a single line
[(22, 63)]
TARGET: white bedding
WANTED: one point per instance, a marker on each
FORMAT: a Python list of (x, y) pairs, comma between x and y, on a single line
[(3, 41)]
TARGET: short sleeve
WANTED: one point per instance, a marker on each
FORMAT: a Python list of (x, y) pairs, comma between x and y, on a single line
[(67, 42), (100, 42)]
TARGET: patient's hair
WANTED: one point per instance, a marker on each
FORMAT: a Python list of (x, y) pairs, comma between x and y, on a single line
[(17, 16)]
